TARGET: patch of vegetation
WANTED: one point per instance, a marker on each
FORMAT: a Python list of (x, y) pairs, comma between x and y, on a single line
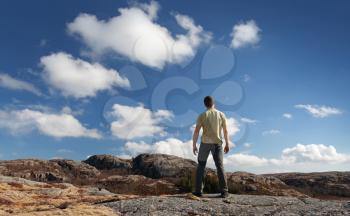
[(188, 181)]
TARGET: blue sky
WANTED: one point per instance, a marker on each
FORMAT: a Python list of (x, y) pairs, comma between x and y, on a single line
[(124, 77)]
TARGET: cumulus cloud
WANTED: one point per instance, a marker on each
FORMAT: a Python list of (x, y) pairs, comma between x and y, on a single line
[(318, 111), (299, 158), (57, 125), (242, 160), (287, 115), (244, 34), (78, 78), (171, 146), (136, 122), (248, 120), (271, 132), (233, 126), (136, 35), (314, 153), (9, 82)]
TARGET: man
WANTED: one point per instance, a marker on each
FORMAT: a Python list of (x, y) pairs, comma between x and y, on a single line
[(213, 122)]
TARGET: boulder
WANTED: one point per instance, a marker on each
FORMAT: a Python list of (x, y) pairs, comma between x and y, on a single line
[(162, 165), (110, 162)]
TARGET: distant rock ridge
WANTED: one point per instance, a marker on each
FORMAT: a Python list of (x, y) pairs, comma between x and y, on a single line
[(107, 162), (154, 174), (321, 184)]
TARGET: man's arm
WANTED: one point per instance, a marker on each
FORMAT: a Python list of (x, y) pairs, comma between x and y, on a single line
[(227, 145), (195, 138), (226, 137)]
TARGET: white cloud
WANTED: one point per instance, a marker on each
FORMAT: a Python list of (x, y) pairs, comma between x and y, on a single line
[(271, 132), (136, 148), (68, 110), (287, 115), (11, 83), (136, 122), (135, 34), (57, 125), (315, 153), (240, 159), (78, 78), (170, 146), (248, 120), (245, 34), (299, 158), (232, 126), (318, 111)]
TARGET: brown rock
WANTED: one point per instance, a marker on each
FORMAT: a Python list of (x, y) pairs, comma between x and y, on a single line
[(162, 165), (49, 170), (110, 162), (137, 184), (248, 183), (37, 198), (318, 184)]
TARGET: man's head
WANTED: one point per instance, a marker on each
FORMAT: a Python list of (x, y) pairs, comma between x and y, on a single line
[(209, 102)]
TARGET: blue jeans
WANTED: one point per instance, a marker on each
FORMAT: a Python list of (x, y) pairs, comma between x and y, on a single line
[(217, 153)]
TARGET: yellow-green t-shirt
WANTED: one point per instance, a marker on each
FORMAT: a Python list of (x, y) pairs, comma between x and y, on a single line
[(212, 121)]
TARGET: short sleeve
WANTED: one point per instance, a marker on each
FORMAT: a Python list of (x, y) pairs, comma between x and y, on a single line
[(199, 120)]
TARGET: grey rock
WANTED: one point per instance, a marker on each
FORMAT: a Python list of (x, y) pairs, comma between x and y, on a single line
[(234, 205), (108, 162), (162, 165)]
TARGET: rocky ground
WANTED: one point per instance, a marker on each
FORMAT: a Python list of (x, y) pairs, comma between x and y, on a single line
[(23, 197), (157, 184), (233, 205)]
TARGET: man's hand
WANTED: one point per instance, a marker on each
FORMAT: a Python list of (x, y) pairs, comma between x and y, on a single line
[(195, 150), (227, 148)]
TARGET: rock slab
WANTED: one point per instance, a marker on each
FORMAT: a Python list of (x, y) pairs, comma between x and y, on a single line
[(233, 205)]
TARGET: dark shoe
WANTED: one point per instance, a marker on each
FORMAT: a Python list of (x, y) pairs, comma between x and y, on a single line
[(197, 194), (225, 194)]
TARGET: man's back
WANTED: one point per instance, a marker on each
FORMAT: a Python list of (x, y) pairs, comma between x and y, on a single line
[(212, 122)]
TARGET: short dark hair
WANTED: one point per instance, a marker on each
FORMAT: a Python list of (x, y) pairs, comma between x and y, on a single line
[(208, 101)]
